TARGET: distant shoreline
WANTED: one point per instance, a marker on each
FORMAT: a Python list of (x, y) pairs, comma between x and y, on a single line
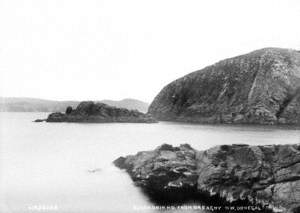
[(12, 104)]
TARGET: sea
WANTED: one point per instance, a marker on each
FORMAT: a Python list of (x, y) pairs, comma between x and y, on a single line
[(67, 167)]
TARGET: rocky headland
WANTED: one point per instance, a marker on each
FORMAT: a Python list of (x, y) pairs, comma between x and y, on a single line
[(91, 112), (261, 87), (265, 176)]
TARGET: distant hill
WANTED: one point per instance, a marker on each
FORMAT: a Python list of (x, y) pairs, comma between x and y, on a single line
[(129, 104), (9, 104)]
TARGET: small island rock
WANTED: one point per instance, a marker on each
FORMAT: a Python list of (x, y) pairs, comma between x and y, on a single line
[(91, 112)]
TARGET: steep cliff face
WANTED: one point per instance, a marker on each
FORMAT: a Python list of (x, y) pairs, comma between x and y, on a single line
[(90, 112), (259, 175), (261, 87)]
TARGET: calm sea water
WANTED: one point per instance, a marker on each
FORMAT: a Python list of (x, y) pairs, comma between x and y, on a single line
[(44, 167)]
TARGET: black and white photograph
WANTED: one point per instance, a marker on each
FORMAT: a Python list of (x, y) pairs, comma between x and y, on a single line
[(138, 106)]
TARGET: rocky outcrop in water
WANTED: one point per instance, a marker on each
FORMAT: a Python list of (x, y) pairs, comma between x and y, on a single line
[(262, 87), (260, 175), (91, 112), (39, 120)]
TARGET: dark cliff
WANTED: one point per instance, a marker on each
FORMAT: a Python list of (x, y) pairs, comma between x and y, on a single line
[(91, 112), (255, 175), (261, 87)]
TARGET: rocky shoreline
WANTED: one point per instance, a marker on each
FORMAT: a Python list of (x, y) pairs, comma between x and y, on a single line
[(91, 112), (265, 176)]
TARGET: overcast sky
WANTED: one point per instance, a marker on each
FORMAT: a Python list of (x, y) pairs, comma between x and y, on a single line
[(114, 49)]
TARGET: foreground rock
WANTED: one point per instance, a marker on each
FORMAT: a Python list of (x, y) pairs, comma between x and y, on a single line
[(258, 175), (262, 87), (91, 112)]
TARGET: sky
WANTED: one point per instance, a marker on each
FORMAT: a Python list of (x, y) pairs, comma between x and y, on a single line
[(115, 49)]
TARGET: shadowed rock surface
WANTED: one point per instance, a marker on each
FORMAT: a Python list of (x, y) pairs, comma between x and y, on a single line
[(261, 87), (260, 175), (91, 112)]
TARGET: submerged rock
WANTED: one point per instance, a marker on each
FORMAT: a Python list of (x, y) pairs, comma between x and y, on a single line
[(261, 87), (91, 112), (94, 170), (260, 175)]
